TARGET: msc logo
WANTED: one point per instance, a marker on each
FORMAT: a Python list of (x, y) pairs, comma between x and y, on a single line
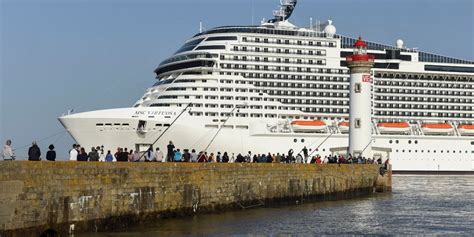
[(366, 78)]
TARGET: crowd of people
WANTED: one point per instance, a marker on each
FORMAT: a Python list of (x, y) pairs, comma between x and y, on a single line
[(173, 154)]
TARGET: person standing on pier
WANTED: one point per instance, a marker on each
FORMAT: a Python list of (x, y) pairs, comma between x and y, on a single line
[(177, 156), (51, 154), (34, 152), (194, 156), (8, 151), (149, 154), (109, 157), (82, 155), (158, 155), (73, 153), (170, 154), (305, 153), (93, 155)]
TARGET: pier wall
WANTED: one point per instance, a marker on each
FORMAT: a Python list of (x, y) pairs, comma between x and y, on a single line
[(96, 196)]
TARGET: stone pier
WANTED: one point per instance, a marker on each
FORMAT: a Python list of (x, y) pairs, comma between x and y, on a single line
[(67, 197)]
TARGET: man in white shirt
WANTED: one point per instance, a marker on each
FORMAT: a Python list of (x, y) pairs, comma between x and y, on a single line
[(8, 151), (73, 153), (194, 156), (158, 155)]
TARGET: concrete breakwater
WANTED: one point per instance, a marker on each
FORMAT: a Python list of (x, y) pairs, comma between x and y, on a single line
[(91, 196)]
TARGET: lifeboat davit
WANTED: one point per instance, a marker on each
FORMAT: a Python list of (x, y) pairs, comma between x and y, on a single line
[(466, 129), (437, 128), (308, 126), (394, 128), (344, 127)]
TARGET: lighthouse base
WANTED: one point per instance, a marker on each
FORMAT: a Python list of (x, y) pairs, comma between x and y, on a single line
[(377, 152)]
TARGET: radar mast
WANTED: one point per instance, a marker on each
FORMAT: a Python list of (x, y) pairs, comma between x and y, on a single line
[(285, 11)]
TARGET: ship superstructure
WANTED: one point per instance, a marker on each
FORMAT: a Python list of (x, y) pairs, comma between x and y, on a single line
[(276, 86)]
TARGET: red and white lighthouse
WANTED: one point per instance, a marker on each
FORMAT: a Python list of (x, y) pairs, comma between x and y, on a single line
[(360, 114)]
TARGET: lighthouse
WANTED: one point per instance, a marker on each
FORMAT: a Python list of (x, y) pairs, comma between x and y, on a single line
[(360, 114)]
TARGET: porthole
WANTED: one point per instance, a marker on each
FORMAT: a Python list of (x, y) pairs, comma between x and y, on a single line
[(416, 141), (403, 151), (324, 149), (302, 140), (409, 141), (454, 151), (295, 140), (409, 151), (416, 151), (396, 150), (441, 151), (422, 151), (428, 151), (390, 141), (396, 141), (434, 151)]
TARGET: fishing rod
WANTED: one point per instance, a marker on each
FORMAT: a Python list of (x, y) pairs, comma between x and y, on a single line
[(325, 139), (161, 135), (215, 135), (371, 140), (43, 139)]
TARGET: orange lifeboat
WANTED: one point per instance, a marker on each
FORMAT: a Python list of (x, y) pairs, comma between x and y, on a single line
[(308, 125), (344, 126), (437, 128), (466, 129), (394, 128)]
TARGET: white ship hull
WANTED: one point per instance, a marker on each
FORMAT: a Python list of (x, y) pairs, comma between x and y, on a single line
[(240, 135), (248, 84)]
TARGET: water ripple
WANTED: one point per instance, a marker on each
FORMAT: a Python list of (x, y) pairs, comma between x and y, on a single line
[(419, 205)]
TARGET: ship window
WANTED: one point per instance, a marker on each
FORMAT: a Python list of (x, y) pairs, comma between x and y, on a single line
[(223, 38), (396, 141), (416, 141), (390, 141), (295, 140), (99, 124), (302, 140), (409, 141)]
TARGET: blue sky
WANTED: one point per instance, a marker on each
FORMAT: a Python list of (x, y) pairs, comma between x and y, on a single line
[(96, 54)]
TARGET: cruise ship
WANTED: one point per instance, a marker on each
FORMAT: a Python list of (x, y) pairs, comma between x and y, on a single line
[(276, 86)]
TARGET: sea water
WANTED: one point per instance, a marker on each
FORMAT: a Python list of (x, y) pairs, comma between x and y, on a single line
[(418, 205)]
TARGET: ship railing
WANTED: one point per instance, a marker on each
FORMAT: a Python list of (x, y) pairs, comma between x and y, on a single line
[(456, 131), (360, 57), (374, 127), (419, 128)]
